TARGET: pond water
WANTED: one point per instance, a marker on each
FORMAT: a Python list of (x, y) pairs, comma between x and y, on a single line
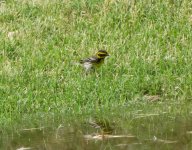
[(140, 131)]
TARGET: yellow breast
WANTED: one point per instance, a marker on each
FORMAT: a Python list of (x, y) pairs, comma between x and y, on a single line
[(98, 64)]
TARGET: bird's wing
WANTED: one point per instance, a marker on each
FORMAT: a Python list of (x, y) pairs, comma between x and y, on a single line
[(91, 60)]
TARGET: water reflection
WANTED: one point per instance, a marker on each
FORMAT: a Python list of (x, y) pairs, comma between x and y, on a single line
[(142, 131)]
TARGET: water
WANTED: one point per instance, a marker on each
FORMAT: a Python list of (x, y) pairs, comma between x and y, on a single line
[(140, 131)]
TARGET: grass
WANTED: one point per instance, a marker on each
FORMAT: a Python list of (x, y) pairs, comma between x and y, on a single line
[(42, 41)]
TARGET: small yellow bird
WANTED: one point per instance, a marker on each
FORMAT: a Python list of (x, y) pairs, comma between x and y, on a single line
[(94, 61)]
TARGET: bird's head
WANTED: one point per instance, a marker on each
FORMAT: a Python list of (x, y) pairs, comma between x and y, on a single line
[(102, 54)]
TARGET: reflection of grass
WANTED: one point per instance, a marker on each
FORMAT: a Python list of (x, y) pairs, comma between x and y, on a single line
[(40, 43)]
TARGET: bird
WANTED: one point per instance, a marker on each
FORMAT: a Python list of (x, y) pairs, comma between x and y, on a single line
[(105, 125), (95, 61)]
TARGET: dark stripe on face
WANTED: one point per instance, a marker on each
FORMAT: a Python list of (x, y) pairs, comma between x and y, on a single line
[(102, 55)]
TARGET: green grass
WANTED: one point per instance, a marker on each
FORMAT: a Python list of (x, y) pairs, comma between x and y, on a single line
[(149, 43)]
